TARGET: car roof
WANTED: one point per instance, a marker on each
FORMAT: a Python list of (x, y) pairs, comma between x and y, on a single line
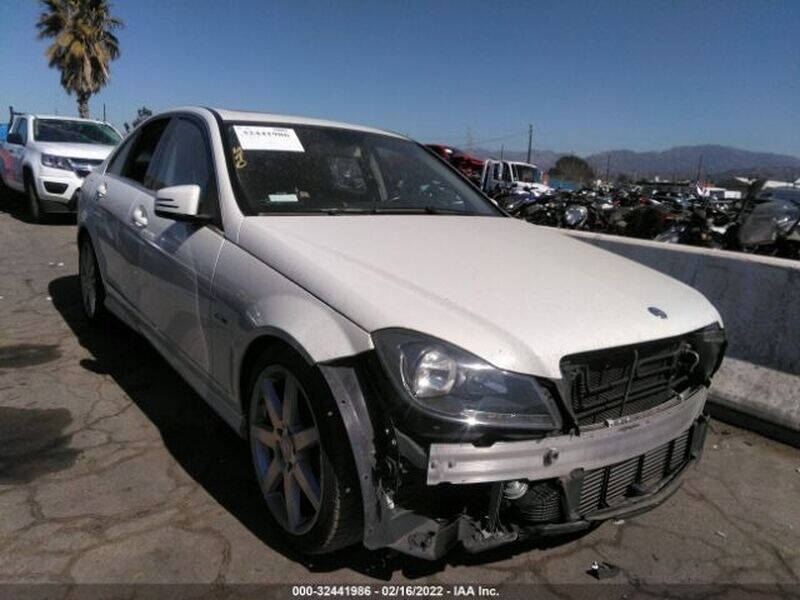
[(251, 116)]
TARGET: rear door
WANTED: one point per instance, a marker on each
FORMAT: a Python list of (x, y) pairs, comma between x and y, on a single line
[(178, 257), (116, 197)]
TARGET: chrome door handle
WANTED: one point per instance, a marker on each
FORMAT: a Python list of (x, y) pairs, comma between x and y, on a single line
[(139, 217)]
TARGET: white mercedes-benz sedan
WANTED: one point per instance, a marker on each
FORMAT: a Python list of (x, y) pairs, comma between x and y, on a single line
[(411, 367)]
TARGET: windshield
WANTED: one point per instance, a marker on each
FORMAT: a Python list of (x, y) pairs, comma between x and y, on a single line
[(74, 132), (526, 173), (309, 169)]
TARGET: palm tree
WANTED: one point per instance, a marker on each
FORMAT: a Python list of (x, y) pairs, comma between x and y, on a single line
[(83, 44)]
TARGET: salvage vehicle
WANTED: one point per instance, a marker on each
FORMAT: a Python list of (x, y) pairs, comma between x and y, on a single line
[(469, 166), (47, 157), (772, 226), (411, 367), (505, 177)]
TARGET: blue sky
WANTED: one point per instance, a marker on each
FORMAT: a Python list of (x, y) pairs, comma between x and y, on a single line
[(589, 75)]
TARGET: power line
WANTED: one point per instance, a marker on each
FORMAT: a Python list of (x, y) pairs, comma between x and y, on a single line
[(500, 138)]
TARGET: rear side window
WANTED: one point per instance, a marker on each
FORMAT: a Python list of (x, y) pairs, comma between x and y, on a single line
[(143, 150)]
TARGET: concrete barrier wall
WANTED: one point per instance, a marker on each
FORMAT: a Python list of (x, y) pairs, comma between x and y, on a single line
[(759, 300)]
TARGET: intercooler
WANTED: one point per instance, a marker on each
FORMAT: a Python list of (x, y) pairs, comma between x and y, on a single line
[(609, 486)]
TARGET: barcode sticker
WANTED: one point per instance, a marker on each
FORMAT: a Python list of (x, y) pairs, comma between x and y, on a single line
[(283, 139)]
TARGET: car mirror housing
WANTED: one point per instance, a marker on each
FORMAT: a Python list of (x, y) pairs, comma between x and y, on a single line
[(179, 202)]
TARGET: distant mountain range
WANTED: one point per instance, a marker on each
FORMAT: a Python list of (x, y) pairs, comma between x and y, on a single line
[(681, 162)]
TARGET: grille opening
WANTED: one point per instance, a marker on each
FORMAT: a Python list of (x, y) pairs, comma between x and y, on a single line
[(609, 384)]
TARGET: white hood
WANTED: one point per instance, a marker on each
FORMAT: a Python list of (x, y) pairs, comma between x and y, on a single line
[(517, 295), (89, 151)]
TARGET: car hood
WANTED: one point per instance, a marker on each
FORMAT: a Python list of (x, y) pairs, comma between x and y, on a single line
[(517, 295), (90, 151)]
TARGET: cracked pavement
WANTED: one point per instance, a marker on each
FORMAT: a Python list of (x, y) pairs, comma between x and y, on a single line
[(112, 470)]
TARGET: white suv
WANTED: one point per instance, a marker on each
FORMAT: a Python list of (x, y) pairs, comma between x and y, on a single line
[(412, 368), (47, 158)]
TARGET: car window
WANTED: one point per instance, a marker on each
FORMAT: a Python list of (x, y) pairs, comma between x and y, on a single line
[(21, 127), (183, 159), (311, 169), (117, 161), (143, 150)]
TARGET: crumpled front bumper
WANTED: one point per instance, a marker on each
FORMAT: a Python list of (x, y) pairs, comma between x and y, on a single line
[(623, 467), (558, 456)]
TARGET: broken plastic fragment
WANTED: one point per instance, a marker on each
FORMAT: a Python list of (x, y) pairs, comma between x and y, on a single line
[(603, 570)]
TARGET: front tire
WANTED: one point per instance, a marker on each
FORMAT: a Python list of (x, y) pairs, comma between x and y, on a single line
[(93, 293), (301, 455), (34, 206)]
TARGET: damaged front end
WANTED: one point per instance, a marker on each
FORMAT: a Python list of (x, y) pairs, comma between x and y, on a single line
[(624, 424)]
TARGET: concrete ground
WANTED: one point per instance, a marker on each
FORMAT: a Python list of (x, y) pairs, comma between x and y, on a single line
[(113, 470)]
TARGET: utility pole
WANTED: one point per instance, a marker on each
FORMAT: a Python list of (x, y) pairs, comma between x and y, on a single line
[(530, 141), (104, 112), (502, 147), (608, 165), (699, 167)]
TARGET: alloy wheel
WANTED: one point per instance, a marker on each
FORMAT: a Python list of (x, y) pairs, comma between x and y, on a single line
[(286, 450)]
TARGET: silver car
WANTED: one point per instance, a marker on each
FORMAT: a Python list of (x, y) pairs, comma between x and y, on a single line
[(412, 368)]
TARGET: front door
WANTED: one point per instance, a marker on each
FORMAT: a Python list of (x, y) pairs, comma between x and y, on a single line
[(178, 257)]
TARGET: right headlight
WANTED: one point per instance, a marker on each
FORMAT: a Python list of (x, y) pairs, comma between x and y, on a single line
[(444, 380)]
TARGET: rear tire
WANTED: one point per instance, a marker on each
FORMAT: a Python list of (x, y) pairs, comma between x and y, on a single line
[(34, 206), (93, 294), (301, 455)]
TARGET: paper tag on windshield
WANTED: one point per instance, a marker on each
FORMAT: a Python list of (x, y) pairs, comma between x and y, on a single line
[(283, 197), (283, 139)]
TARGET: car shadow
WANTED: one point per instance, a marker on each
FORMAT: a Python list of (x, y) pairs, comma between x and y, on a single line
[(15, 205), (186, 424)]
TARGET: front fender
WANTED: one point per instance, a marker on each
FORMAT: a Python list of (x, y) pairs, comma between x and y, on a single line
[(251, 300)]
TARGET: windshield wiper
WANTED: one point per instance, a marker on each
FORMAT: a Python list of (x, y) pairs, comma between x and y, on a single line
[(383, 210), (417, 210)]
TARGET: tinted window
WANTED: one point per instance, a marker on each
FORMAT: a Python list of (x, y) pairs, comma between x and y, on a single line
[(183, 159), (143, 150), (117, 162), (21, 127)]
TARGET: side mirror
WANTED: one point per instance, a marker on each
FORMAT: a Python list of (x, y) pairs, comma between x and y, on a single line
[(179, 202), (14, 138)]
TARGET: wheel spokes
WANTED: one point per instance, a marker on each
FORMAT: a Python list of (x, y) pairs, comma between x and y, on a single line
[(305, 439), (308, 482), (291, 497), (266, 436), (273, 475), (272, 403)]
